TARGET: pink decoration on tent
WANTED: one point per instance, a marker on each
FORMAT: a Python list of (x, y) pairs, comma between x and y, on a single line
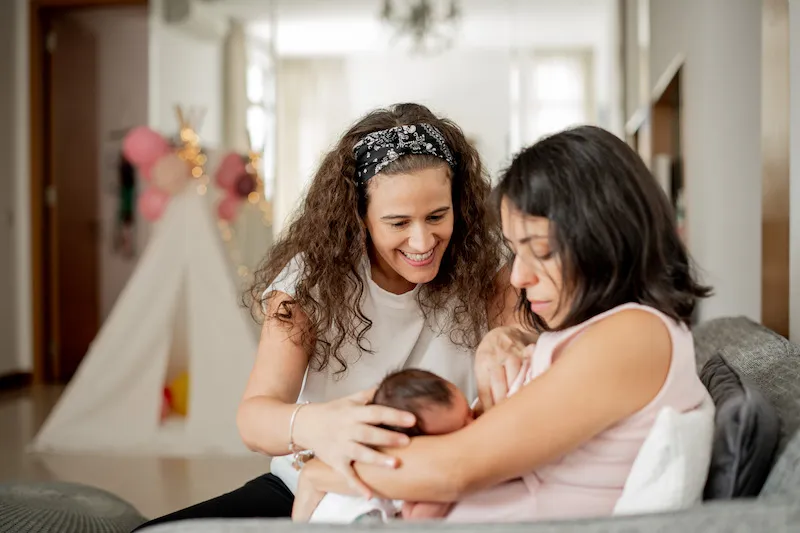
[(229, 170), (166, 403), (152, 203), (171, 174), (228, 207), (245, 184), (146, 173), (143, 147)]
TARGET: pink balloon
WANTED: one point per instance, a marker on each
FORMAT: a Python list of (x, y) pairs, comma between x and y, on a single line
[(228, 208), (171, 174), (152, 203), (229, 170), (146, 173), (245, 184), (142, 146)]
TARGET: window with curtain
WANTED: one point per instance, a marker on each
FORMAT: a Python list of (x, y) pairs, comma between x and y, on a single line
[(549, 92), (261, 109)]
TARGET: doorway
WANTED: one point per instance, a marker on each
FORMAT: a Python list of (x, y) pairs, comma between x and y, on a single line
[(65, 173), (667, 147)]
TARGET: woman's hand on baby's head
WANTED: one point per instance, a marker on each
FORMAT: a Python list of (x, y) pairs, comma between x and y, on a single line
[(498, 361), (345, 431)]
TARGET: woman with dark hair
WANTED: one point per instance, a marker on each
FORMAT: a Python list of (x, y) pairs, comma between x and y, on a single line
[(392, 262), (606, 281)]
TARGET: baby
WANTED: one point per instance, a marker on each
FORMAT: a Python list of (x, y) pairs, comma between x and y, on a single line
[(439, 406)]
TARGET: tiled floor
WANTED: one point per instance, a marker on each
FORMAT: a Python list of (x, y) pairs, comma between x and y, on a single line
[(154, 485)]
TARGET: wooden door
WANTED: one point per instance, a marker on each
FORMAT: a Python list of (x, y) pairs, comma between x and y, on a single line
[(71, 194), (775, 167)]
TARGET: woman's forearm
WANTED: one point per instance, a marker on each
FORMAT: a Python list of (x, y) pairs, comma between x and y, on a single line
[(427, 472), (264, 424), (410, 481)]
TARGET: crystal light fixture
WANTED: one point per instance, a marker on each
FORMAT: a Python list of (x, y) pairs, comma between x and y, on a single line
[(430, 25)]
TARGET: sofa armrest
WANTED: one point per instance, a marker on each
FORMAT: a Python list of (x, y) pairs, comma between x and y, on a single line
[(745, 516)]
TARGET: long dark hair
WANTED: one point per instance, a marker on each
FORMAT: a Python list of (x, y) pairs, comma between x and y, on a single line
[(612, 226), (329, 232)]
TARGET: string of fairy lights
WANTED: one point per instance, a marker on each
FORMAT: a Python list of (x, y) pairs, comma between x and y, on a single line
[(191, 151)]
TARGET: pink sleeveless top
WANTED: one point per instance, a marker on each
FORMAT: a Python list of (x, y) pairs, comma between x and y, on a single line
[(588, 481)]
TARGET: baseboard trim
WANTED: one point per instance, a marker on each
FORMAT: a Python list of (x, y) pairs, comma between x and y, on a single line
[(15, 380)]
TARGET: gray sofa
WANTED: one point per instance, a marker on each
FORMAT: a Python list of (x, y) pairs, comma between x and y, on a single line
[(769, 361)]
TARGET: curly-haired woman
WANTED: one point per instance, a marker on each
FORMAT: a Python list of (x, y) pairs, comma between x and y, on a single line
[(393, 261)]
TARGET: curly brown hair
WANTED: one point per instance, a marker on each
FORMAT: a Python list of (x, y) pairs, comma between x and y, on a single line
[(328, 231)]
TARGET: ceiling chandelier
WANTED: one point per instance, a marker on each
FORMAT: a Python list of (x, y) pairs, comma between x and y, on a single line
[(430, 25)]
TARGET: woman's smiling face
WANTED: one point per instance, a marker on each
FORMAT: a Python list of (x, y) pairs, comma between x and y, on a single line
[(410, 221)]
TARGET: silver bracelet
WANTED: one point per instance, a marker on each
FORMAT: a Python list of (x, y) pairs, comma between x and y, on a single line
[(299, 456)]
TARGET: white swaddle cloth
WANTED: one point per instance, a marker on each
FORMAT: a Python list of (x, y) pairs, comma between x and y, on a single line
[(343, 509)]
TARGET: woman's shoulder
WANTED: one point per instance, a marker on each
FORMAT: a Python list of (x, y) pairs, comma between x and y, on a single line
[(295, 272), (633, 312), (621, 335), (631, 348), (287, 279), (634, 323), (637, 319)]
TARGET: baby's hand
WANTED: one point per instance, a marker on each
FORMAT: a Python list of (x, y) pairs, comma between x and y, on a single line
[(498, 361), (425, 510)]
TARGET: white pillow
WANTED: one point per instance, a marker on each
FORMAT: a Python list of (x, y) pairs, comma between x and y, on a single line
[(670, 471)]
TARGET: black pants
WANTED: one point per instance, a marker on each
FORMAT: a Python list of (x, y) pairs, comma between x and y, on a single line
[(263, 497)]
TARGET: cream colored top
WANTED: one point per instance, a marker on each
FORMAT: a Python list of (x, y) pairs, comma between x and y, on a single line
[(400, 337)]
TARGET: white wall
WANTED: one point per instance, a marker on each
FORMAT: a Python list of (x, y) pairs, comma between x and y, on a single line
[(312, 111), (469, 83), (319, 98), (794, 184), (187, 71), (470, 88), (314, 27), (345, 28), (121, 36), (631, 58), (184, 70), (615, 73), (19, 357), (8, 348), (721, 40)]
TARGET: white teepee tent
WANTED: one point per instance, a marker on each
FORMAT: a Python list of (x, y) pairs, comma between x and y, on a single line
[(180, 307)]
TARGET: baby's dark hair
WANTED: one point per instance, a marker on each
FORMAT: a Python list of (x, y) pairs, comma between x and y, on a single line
[(411, 390)]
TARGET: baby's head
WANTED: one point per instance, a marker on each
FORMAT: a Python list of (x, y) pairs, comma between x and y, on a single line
[(438, 404)]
